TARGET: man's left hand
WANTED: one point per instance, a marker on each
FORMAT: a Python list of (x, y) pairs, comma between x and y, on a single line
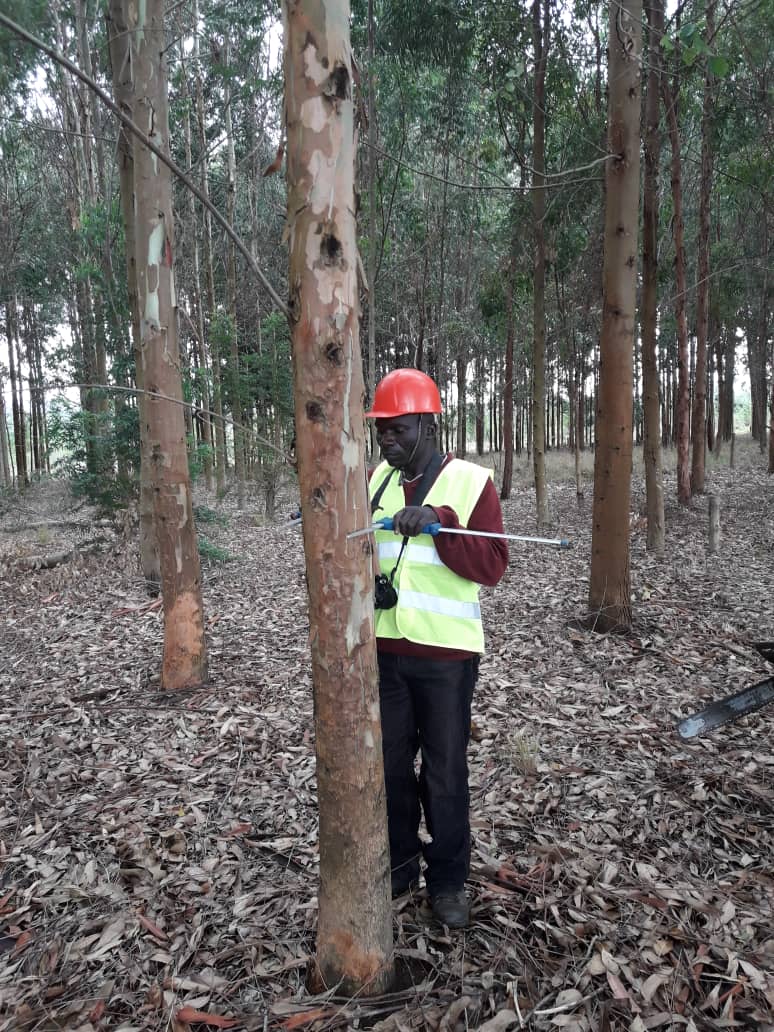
[(413, 519)]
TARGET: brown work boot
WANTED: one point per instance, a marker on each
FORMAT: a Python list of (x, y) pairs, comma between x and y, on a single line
[(451, 908)]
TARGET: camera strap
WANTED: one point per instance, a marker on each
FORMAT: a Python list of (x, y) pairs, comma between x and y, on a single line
[(428, 479), (380, 491)]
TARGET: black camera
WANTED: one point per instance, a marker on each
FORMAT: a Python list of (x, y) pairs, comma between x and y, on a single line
[(385, 595)]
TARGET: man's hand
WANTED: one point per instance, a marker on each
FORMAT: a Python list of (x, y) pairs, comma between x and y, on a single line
[(413, 519)]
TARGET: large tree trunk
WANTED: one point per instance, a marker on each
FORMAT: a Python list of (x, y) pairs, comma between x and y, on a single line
[(683, 407), (540, 41), (120, 59), (699, 414), (185, 654), (609, 592), (654, 484), (354, 935)]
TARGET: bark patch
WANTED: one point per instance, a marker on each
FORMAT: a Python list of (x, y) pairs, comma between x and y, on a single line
[(331, 250), (338, 83), (315, 412), (333, 352), (340, 957)]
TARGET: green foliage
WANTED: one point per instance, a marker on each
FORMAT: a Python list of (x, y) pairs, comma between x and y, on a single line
[(197, 457), (718, 65), (213, 553), (203, 514), (86, 447), (694, 47), (17, 57), (435, 30)]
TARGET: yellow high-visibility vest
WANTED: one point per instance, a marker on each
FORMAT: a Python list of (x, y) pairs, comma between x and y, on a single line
[(435, 605)]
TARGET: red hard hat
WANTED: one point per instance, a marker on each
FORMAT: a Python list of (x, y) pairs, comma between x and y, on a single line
[(402, 392)]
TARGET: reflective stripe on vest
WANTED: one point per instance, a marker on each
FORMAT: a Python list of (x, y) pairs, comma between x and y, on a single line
[(435, 606), (445, 606), (419, 553)]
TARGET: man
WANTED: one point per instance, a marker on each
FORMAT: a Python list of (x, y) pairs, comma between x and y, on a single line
[(430, 638)]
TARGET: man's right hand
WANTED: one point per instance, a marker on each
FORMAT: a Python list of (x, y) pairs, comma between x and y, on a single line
[(413, 519)]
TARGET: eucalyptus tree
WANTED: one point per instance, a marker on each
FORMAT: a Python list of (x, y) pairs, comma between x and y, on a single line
[(541, 38), (354, 932), (143, 85), (671, 95), (699, 412), (652, 140), (121, 67), (609, 586)]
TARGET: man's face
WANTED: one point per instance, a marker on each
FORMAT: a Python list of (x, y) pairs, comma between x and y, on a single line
[(397, 438)]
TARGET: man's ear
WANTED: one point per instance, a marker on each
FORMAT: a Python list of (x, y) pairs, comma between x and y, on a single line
[(431, 429)]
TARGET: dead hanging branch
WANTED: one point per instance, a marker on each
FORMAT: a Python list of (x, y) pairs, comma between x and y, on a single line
[(129, 124), (49, 525), (48, 562)]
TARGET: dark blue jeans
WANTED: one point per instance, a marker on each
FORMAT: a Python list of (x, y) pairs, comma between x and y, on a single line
[(425, 705)]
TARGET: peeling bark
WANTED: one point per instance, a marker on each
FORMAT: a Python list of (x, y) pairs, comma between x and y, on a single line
[(120, 60), (185, 655), (354, 937)]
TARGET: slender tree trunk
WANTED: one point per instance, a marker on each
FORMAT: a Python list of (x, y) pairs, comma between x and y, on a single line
[(29, 345), (654, 484), (507, 484), (370, 85), (729, 373), (201, 386), (540, 40), (17, 403), (682, 420), (578, 408), (89, 192), (438, 365), (5, 452), (480, 404), (721, 392), (699, 414), (221, 453), (763, 336), (354, 935), (120, 59), (609, 592), (236, 396), (185, 654)]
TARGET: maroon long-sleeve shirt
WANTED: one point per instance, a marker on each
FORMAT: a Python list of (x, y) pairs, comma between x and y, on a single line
[(482, 560)]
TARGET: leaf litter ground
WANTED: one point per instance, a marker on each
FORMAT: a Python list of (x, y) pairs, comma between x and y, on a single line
[(158, 852)]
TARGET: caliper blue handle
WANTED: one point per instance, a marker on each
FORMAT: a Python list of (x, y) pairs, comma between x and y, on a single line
[(431, 528)]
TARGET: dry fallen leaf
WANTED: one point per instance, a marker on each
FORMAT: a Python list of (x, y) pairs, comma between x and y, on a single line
[(189, 1015), (503, 1020)]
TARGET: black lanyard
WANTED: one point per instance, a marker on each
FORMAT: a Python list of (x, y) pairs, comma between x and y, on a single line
[(428, 479)]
